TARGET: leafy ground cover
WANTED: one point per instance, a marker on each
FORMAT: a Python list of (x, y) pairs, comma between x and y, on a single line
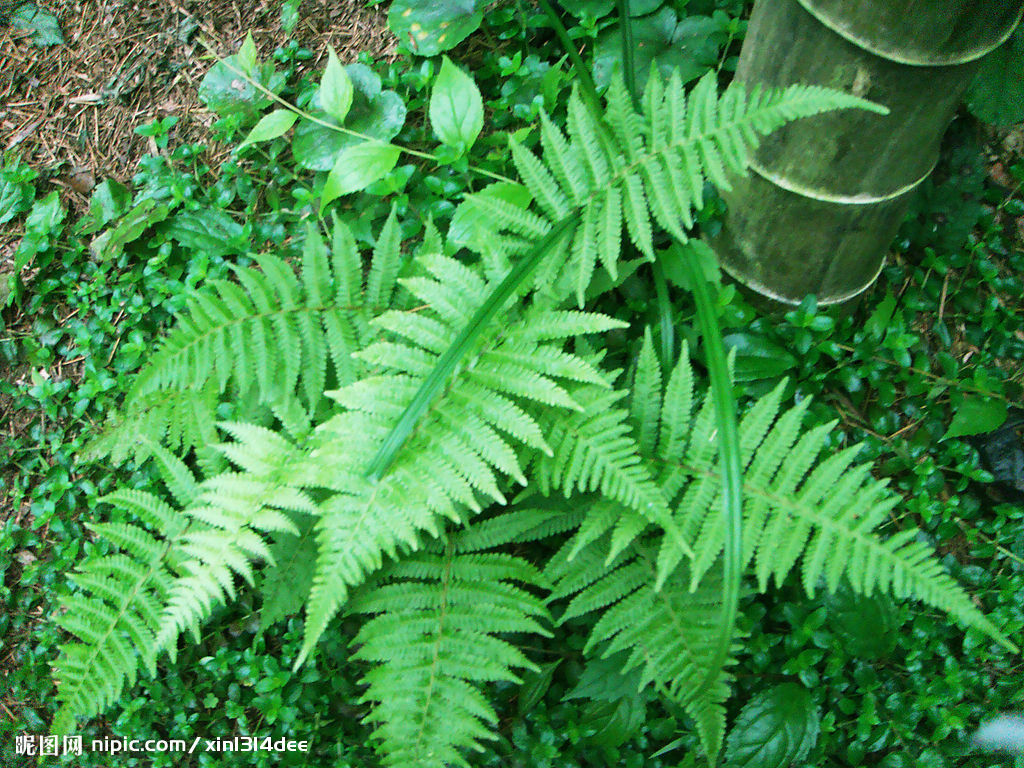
[(931, 355)]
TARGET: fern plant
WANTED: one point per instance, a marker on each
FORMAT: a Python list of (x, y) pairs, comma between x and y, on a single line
[(406, 421)]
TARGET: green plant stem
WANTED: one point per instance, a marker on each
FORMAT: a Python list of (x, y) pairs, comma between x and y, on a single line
[(729, 453), (446, 364), (307, 116), (721, 392), (626, 37), (667, 334), (586, 81)]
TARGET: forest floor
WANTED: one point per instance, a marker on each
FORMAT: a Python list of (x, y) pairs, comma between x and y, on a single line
[(70, 110)]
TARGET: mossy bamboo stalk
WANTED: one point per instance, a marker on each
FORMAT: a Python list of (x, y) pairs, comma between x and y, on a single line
[(827, 193)]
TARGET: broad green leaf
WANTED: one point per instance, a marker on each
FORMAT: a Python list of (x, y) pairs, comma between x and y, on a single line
[(43, 224), (140, 218), (878, 324), (776, 729), (430, 28), (374, 113), (997, 93), (229, 94), (15, 198), (247, 60), (357, 167), (456, 107), (613, 723), (757, 358), (44, 26), (208, 231), (866, 623), (675, 269), (604, 680), (271, 126), (335, 88), (691, 44), (109, 200), (617, 702), (975, 415), (470, 221)]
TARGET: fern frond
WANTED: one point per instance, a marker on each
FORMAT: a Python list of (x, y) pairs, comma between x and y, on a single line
[(669, 633), (471, 437), (270, 337), (645, 403), (434, 638), (648, 168), (825, 511), (232, 513), (594, 450), (116, 615)]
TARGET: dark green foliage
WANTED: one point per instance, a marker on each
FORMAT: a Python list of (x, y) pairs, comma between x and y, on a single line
[(997, 94)]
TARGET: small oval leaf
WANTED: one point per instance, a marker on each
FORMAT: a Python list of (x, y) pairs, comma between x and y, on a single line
[(357, 167), (456, 107), (335, 88), (271, 126), (247, 60)]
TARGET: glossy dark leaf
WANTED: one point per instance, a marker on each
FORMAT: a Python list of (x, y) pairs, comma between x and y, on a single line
[(776, 729), (428, 29), (691, 44)]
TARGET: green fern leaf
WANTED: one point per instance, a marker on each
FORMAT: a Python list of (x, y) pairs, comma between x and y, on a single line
[(649, 168), (433, 638), (116, 615), (270, 336), (823, 511), (668, 633)]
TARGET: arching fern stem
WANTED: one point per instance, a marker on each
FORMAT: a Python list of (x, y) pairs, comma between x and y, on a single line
[(725, 406), (729, 452)]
